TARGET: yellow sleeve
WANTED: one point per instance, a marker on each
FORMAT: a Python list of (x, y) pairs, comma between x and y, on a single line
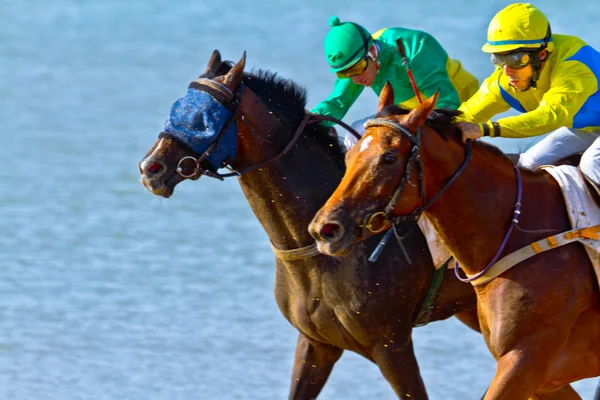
[(485, 103), (572, 84)]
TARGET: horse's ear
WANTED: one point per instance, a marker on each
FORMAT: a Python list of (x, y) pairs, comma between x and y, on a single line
[(213, 64), (418, 116), (386, 97), (234, 76)]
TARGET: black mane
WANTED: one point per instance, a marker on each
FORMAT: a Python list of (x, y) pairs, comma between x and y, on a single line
[(442, 120), (287, 100)]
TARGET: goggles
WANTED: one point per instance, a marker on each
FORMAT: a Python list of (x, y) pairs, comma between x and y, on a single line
[(515, 60), (357, 68)]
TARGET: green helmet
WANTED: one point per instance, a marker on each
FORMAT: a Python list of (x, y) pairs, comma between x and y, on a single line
[(345, 44)]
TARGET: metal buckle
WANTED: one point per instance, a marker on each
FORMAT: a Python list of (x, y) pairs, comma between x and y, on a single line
[(369, 225)]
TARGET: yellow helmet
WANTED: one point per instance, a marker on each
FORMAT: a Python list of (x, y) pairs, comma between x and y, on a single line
[(518, 26)]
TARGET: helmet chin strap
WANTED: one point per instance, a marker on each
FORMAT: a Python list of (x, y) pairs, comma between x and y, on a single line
[(536, 66), (536, 63), (374, 55)]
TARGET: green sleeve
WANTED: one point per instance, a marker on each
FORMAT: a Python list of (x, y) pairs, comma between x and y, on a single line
[(345, 92), (428, 64)]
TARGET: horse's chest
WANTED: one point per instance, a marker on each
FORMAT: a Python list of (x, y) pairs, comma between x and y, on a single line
[(501, 311), (322, 312)]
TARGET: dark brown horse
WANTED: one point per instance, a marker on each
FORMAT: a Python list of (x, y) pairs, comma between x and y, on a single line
[(335, 304), (540, 319)]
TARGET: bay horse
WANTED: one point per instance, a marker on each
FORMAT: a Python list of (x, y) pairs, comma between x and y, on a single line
[(540, 319), (336, 304)]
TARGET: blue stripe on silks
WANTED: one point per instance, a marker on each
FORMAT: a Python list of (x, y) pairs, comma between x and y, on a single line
[(503, 42), (589, 113), (514, 103)]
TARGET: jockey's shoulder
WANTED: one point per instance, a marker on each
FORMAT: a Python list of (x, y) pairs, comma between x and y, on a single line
[(390, 35)]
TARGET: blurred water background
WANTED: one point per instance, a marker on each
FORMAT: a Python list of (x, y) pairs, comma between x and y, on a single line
[(104, 294)]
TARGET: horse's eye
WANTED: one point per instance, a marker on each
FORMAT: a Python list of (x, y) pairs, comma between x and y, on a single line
[(389, 158)]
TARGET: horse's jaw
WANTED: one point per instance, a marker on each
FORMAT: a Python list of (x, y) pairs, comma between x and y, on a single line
[(338, 249), (161, 187)]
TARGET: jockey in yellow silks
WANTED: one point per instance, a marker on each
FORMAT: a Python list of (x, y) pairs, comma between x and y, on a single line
[(551, 79)]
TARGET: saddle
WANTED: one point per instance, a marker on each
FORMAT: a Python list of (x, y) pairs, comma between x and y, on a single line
[(591, 188), (583, 206), (573, 160)]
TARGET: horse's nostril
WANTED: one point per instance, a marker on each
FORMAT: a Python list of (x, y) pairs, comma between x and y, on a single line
[(329, 230), (154, 168)]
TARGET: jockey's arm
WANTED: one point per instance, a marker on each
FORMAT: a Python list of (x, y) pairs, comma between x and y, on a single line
[(345, 92), (428, 65), (572, 84), (485, 103)]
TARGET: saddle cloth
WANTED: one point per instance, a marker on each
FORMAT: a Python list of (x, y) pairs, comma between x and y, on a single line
[(583, 211), (438, 250)]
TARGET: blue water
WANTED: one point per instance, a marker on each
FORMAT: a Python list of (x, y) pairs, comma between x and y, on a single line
[(107, 292)]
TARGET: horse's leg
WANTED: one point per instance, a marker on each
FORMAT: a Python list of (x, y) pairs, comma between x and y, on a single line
[(580, 356), (515, 378), (470, 319), (522, 371), (312, 365), (398, 364), (564, 393)]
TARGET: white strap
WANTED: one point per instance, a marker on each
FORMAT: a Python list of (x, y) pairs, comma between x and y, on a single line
[(540, 246)]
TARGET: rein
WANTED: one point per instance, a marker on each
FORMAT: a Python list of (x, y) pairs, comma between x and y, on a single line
[(231, 101), (514, 222)]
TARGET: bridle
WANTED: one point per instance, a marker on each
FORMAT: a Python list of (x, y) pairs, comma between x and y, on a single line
[(415, 158), (386, 216), (416, 213), (231, 101)]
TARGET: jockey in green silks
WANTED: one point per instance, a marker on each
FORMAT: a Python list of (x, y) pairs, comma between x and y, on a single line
[(360, 59)]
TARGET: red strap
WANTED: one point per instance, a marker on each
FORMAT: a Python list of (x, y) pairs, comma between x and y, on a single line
[(413, 83)]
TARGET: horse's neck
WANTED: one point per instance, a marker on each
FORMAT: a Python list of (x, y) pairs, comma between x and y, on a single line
[(474, 213), (285, 194)]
